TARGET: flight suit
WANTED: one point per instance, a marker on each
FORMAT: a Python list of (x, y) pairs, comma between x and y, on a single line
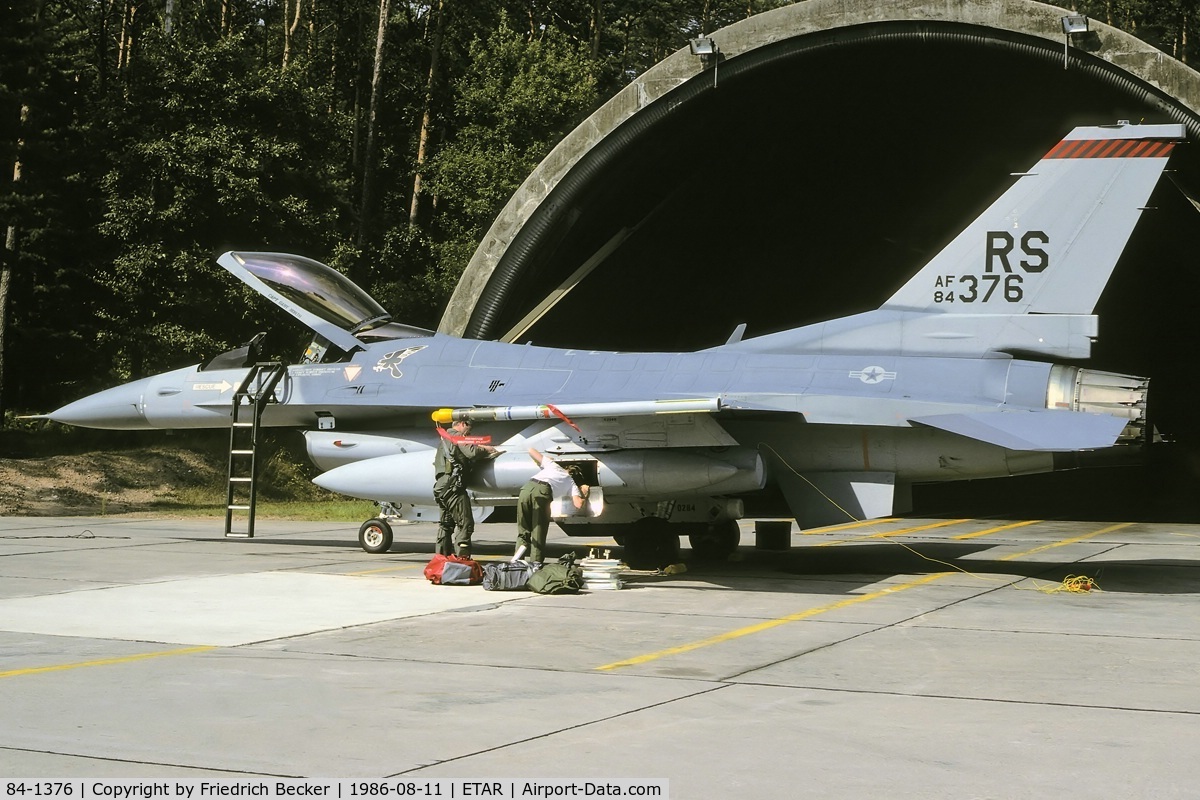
[(456, 525), (533, 506), (533, 518)]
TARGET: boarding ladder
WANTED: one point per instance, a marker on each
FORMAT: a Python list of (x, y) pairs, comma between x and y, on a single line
[(256, 390)]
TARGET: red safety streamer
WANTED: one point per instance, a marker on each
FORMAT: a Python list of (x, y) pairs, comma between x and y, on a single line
[(448, 436), (562, 416)]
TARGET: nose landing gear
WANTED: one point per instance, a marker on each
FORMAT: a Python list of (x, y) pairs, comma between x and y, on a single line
[(375, 535)]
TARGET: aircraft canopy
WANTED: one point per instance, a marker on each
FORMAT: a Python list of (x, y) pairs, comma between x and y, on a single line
[(322, 298)]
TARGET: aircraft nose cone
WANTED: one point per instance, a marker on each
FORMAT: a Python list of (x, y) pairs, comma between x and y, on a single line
[(120, 408)]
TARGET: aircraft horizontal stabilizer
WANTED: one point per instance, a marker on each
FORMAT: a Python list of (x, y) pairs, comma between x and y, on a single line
[(1046, 431)]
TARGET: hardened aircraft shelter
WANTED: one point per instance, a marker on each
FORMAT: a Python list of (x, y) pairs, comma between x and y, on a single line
[(813, 161)]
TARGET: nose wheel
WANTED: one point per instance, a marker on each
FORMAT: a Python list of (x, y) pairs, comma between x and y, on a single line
[(375, 535)]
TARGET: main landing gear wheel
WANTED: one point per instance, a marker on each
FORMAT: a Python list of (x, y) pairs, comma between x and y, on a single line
[(716, 542), (651, 545), (375, 536)]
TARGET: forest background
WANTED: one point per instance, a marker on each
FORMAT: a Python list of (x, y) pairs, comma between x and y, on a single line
[(382, 137)]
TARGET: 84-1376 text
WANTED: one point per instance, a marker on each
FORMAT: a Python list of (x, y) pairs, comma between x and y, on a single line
[(39, 789)]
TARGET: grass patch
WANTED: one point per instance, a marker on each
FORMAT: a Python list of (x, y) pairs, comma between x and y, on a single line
[(205, 503), (353, 511), (172, 480)]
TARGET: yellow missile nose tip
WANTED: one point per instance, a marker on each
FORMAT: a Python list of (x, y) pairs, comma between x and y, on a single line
[(443, 415)]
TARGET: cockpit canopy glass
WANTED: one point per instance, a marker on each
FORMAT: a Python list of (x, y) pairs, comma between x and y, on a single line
[(321, 298), (316, 288)]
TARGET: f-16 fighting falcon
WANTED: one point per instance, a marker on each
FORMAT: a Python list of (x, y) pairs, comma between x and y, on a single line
[(952, 378)]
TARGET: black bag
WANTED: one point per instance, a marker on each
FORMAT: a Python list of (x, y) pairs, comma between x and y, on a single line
[(561, 577), (507, 575)]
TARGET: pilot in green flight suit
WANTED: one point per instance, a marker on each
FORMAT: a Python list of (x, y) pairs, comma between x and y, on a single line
[(450, 465)]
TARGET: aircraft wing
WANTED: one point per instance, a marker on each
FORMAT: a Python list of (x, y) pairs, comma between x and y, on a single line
[(1047, 431)]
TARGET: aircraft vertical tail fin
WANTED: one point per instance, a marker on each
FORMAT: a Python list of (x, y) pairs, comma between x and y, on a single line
[(1025, 276), (1049, 244)]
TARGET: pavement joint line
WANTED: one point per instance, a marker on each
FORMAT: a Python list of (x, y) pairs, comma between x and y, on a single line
[(1040, 703), (573, 727), (812, 612), (141, 762), (102, 662)]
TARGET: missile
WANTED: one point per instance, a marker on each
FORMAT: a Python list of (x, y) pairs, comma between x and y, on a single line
[(631, 407)]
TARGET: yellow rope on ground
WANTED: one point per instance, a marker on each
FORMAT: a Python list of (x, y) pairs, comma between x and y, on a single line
[(1075, 584), (877, 532)]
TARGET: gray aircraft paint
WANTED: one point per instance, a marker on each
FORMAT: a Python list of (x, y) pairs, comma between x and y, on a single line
[(944, 382)]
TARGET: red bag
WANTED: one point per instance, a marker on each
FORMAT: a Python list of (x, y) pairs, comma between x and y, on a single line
[(453, 570)]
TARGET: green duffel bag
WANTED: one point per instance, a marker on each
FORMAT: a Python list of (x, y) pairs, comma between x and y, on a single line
[(560, 577)]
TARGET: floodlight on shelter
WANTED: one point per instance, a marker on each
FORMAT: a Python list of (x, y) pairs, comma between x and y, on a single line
[(1075, 23), (1072, 24), (706, 48)]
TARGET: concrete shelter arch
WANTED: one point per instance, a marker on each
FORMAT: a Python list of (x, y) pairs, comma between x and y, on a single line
[(622, 175)]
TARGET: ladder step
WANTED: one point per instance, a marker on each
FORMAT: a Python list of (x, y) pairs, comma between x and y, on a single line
[(250, 396)]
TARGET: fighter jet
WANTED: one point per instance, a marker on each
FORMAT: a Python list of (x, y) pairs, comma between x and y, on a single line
[(954, 377)]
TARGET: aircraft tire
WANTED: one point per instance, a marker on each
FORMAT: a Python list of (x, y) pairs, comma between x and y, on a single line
[(716, 542), (375, 536)]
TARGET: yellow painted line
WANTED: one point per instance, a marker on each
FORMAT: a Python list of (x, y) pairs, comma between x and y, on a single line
[(989, 531), (812, 612), (773, 623), (1181, 533), (847, 526), (1072, 540), (900, 532), (104, 662)]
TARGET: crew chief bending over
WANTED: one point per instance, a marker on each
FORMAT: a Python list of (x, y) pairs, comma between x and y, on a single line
[(533, 504)]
